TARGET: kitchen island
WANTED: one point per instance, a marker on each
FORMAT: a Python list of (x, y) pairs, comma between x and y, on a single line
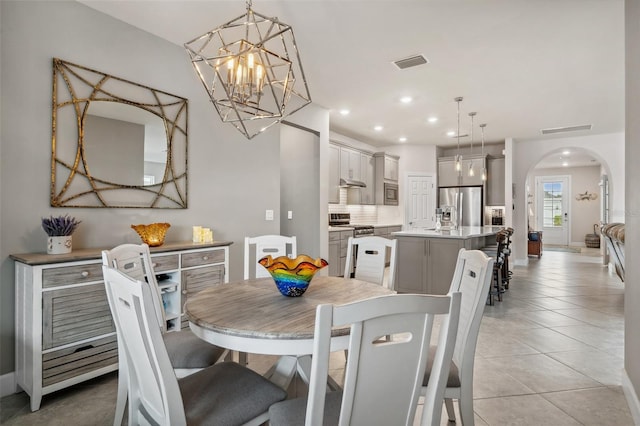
[(426, 259)]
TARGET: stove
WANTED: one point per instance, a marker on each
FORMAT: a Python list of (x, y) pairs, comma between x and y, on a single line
[(344, 220)]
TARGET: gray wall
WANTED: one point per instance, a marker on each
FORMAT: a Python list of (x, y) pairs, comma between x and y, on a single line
[(232, 181), (632, 216)]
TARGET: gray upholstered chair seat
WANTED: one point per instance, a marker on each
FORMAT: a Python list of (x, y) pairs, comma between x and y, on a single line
[(227, 386), (292, 412), (453, 379), (186, 350)]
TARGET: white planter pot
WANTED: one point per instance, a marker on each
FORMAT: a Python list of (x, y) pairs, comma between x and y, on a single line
[(59, 245)]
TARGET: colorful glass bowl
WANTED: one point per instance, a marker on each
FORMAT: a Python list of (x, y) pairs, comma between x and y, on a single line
[(152, 234), (292, 276)]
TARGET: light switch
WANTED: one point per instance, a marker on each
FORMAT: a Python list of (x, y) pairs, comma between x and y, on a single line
[(290, 214), (268, 215)]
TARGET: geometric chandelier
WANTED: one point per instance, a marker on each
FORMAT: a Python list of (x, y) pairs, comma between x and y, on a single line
[(251, 70)]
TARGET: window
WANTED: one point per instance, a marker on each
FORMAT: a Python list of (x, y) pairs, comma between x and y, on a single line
[(552, 208)]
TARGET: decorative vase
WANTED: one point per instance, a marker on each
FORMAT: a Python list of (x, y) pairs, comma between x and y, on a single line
[(59, 245), (152, 234), (292, 276)]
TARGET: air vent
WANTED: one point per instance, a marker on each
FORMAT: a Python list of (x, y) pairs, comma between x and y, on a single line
[(566, 129), (412, 61)]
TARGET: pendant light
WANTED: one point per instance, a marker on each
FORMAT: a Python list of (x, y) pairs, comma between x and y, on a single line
[(458, 156), (484, 169), (471, 172)]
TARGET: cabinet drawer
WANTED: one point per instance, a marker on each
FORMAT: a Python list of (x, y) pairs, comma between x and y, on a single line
[(202, 258), (164, 263), (79, 274), (73, 314), (70, 362)]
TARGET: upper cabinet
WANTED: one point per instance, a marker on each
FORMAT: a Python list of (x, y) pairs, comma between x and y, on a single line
[(349, 163), (449, 176), (386, 166), (334, 174), (367, 174), (495, 181)]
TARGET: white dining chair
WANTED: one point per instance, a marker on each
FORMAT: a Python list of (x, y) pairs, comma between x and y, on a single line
[(370, 259), (222, 394), (472, 278), (275, 245), (382, 378), (187, 352)]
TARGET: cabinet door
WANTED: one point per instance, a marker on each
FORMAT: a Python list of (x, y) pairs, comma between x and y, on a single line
[(334, 259), (495, 182), (390, 168), (476, 179), (197, 279), (367, 168), (441, 254), (75, 313), (447, 174), (411, 265), (334, 174)]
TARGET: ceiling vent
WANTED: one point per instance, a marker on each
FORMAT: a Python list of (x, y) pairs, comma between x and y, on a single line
[(412, 61), (566, 129)]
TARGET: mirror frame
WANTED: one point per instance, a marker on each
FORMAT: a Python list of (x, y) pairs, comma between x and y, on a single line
[(91, 191)]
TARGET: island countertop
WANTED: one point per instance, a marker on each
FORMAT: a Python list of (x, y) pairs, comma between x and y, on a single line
[(463, 232)]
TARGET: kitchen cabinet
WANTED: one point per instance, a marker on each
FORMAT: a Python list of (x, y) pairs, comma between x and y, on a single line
[(64, 330), (426, 265), (386, 231), (478, 163), (334, 254), (349, 163), (334, 174), (447, 174), (495, 181), (367, 171), (386, 167)]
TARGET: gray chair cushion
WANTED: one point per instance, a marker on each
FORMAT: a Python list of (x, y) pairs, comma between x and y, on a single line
[(234, 395), (293, 411), (186, 350), (453, 381)]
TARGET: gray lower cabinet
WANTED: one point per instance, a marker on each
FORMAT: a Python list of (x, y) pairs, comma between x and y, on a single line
[(64, 329), (426, 265), (338, 241)]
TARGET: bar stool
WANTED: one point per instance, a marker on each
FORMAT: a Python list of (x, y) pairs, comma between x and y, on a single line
[(497, 251)]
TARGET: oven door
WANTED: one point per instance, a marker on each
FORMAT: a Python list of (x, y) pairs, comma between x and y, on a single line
[(390, 194)]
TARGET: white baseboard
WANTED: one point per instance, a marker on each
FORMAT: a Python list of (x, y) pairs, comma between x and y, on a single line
[(7, 384), (632, 397)]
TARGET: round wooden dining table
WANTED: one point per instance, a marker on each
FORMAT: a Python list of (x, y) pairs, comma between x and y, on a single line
[(252, 316)]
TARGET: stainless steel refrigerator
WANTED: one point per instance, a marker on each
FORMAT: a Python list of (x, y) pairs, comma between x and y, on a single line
[(467, 201)]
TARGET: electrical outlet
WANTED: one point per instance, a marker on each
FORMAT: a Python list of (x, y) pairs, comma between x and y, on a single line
[(268, 215), (290, 214)]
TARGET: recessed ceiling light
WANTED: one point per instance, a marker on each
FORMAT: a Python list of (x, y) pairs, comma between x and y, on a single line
[(451, 133), (406, 99), (344, 112), (565, 164), (565, 152), (433, 119), (402, 139), (378, 128)]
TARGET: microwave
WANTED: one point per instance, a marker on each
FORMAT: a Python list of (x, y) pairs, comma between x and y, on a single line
[(390, 194)]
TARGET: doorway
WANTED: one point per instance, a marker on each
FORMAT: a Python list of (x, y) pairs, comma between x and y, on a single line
[(553, 208), (420, 201)]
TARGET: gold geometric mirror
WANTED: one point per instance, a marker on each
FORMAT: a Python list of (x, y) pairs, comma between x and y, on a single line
[(116, 143)]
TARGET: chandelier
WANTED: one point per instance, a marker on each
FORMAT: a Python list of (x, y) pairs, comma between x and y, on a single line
[(251, 70)]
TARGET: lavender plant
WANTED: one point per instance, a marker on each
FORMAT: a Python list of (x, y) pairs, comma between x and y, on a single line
[(57, 226)]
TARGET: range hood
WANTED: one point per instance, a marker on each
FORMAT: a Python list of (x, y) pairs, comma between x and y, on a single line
[(350, 183)]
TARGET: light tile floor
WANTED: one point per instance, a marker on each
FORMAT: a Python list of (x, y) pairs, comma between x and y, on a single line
[(551, 353)]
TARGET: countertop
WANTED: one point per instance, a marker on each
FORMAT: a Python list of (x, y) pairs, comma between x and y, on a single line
[(462, 233), (349, 228)]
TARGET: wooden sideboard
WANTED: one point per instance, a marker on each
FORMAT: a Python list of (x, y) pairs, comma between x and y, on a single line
[(64, 329)]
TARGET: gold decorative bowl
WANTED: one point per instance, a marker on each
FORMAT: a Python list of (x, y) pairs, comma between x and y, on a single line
[(292, 276), (152, 234)]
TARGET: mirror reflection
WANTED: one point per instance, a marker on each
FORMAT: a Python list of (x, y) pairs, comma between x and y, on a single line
[(116, 143)]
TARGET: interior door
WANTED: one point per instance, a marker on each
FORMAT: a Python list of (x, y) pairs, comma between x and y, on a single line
[(553, 208), (420, 202)]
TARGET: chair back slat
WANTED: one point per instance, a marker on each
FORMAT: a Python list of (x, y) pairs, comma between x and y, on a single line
[(383, 377), (274, 245), (153, 387), (370, 259)]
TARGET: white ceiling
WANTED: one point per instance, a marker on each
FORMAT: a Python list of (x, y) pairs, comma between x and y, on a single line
[(522, 65)]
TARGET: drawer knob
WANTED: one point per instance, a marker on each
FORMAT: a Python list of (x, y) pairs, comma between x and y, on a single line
[(84, 274), (205, 257)]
